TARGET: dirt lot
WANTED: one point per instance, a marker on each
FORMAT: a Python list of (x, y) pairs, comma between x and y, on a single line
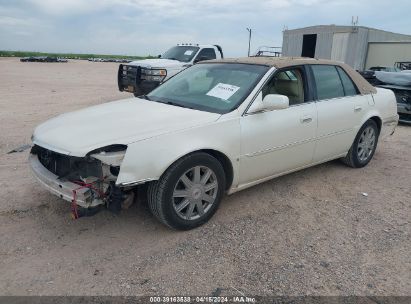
[(311, 232)]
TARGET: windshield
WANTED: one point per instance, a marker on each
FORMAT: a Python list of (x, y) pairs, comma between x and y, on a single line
[(181, 53), (212, 87)]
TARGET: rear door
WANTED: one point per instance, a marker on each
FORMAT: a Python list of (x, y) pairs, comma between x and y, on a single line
[(340, 110)]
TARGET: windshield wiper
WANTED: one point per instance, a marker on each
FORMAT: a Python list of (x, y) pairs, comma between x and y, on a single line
[(176, 104), (171, 103), (145, 97)]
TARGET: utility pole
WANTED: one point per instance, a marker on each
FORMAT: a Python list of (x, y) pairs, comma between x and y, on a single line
[(249, 40)]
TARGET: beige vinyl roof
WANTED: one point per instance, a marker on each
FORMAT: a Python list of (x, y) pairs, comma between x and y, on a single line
[(282, 62)]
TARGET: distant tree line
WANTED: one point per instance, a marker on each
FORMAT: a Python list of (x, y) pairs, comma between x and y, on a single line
[(69, 55)]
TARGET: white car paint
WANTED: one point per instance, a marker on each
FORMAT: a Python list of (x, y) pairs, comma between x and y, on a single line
[(266, 139), (334, 134), (157, 63), (80, 132), (172, 66), (259, 146)]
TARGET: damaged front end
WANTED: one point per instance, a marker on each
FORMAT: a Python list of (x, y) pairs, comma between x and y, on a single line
[(89, 182)]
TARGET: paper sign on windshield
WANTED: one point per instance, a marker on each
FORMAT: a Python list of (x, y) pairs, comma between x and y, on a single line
[(188, 52), (223, 91)]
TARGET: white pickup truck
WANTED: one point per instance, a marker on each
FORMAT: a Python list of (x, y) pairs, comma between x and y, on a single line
[(142, 76)]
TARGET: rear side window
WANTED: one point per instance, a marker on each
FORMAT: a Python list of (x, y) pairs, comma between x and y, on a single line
[(349, 87), (327, 81)]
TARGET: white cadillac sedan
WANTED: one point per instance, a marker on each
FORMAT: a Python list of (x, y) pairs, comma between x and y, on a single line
[(217, 127)]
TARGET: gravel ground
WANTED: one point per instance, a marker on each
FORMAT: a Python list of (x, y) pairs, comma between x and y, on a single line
[(308, 233)]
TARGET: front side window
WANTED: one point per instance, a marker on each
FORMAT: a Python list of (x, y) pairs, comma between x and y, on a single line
[(327, 81), (212, 87), (206, 54), (289, 83), (181, 53)]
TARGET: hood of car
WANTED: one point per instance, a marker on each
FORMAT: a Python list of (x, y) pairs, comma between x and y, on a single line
[(118, 122), (158, 63)]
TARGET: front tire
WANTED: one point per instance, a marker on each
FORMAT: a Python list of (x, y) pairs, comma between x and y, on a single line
[(189, 192), (364, 146)]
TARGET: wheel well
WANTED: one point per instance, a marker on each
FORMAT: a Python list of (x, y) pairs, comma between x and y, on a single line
[(378, 121), (225, 162)]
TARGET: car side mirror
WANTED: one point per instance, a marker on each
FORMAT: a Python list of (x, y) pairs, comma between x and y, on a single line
[(276, 102), (269, 103), (202, 58)]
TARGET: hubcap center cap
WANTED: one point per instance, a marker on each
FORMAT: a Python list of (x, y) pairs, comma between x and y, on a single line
[(196, 192)]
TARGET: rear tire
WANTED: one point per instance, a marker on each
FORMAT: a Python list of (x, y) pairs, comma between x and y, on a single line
[(189, 192), (364, 146)]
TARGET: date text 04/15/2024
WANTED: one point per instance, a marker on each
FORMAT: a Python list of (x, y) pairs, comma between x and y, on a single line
[(201, 299)]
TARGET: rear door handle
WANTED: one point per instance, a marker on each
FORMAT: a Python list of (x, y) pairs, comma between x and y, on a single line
[(357, 108), (306, 119)]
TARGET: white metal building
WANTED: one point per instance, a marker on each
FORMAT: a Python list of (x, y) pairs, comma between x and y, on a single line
[(359, 46)]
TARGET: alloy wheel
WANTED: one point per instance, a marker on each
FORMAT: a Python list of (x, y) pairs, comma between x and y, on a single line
[(195, 192), (366, 144)]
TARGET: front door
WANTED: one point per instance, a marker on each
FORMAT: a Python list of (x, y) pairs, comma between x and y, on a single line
[(279, 141)]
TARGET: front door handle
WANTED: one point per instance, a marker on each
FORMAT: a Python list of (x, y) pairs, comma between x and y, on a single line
[(306, 119), (357, 108)]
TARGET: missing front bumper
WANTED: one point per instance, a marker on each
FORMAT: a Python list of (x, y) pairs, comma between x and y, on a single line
[(85, 197)]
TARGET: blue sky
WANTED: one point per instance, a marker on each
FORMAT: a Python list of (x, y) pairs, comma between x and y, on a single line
[(139, 27)]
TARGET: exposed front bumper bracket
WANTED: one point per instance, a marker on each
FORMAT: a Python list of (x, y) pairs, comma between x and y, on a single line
[(63, 189)]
